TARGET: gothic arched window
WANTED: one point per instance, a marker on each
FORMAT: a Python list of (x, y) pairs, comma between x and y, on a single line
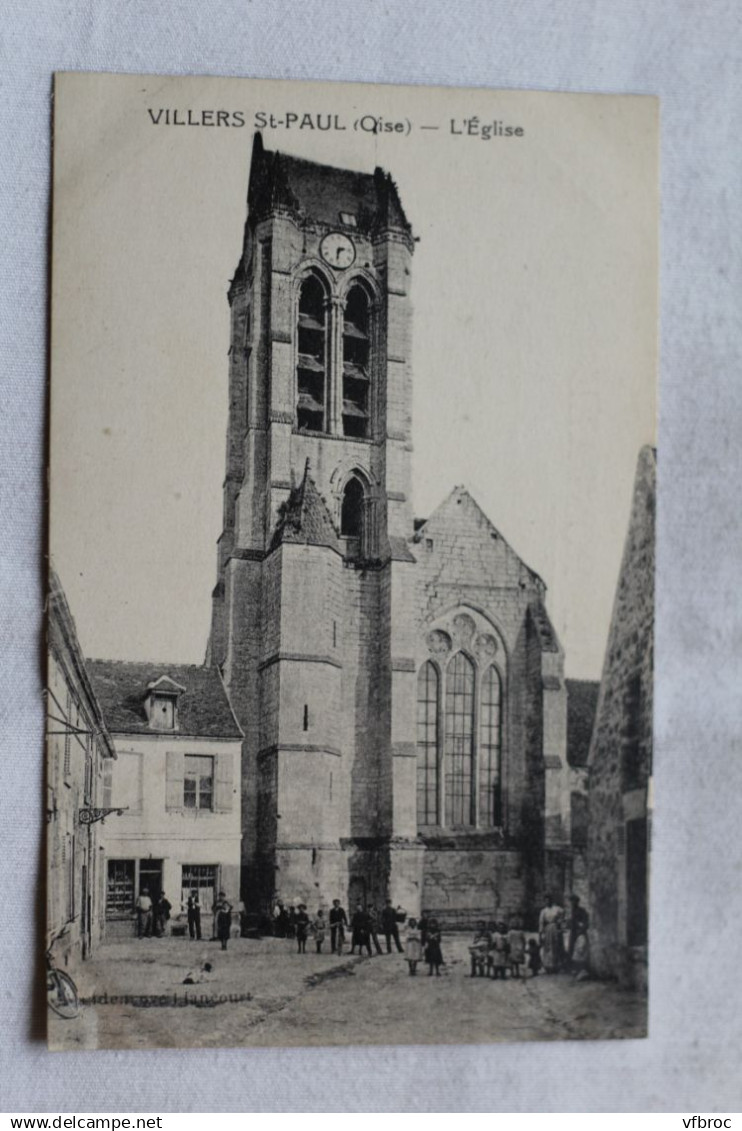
[(311, 362), (490, 750), (459, 736), (357, 363), (427, 745), (352, 509)]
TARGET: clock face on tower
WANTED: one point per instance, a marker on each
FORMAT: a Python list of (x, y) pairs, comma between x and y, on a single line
[(338, 250)]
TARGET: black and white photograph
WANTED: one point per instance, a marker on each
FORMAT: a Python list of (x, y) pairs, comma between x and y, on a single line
[(351, 593)]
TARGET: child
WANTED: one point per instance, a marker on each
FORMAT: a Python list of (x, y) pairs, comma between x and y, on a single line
[(412, 946), (197, 976), (499, 951), (534, 956), (479, 948), (433, 954), (318, 927), (516, 947), (491, 928)]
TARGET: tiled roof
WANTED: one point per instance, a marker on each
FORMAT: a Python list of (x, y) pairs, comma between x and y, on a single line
[(203, 708), (582, 704), (304, 517), (321, 192)]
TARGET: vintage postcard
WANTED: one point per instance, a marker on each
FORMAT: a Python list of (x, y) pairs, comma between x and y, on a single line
[(352, 548)]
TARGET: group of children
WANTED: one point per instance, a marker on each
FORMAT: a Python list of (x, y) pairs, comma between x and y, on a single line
[(500, 947), (423, 941)]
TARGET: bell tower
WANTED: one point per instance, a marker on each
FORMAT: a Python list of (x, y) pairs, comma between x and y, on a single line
[(317, 517)]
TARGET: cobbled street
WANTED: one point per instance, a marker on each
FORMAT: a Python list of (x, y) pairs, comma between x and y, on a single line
[(280, 998)]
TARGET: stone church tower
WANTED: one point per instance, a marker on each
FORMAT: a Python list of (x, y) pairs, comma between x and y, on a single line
[(399, 683)]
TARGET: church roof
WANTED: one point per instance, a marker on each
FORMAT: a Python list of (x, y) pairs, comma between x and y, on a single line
[(304, 517), (582, 705), (321, 192), (122, 686), (460, 502)]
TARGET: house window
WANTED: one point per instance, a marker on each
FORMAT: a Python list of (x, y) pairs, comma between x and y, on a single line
[(311, 365), (490, 743), (458, 748), (198, 782), (357, 363), (427, 745)]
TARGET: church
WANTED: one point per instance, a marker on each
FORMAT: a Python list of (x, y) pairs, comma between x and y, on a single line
[(399, 683)]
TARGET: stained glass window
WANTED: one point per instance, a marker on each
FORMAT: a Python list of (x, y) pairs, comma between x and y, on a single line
[(458, 741), (490, 745), (427, 745)]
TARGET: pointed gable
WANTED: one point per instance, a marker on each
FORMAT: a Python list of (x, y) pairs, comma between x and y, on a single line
[(305, 518), (464, 542)]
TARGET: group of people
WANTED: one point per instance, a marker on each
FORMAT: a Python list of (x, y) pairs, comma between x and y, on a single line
[(364, 927), (501, 947), (498, 948), (573, 954), (153, 916)]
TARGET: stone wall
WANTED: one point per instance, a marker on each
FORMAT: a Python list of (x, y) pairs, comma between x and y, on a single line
[(620, 760)]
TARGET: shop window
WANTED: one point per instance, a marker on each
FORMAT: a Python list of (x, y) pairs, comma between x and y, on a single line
[(120, 888)]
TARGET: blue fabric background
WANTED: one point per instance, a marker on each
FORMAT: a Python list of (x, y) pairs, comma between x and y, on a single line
[(688, 52)]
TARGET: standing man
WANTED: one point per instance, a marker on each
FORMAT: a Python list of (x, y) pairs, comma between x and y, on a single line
[(390, 927), (194, 915), (359, 926), (338, 923), (223, 917), (162, 915), (144, 915), (373, 927)]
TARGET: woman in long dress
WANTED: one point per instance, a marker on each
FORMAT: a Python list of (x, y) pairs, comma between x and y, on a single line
[(413, 947), (550, 924)]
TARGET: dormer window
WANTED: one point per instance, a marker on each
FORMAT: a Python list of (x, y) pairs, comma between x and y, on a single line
[(161, 703), (348, 219), (163, 712)]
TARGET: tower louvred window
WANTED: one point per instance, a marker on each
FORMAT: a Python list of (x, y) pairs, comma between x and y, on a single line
[(357, 363), (311, 365)]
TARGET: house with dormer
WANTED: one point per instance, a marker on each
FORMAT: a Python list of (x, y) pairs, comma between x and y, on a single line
[(176, 780)]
